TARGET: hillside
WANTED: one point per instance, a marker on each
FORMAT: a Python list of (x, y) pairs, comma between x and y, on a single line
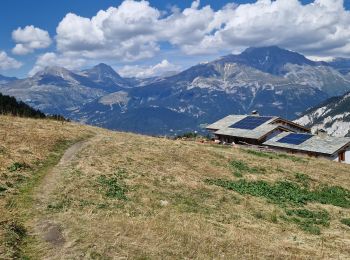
[(10, 106), (121, 195), (332, 115)]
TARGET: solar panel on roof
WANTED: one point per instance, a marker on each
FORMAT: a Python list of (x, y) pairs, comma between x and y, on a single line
[(251, 122), (294, 138)]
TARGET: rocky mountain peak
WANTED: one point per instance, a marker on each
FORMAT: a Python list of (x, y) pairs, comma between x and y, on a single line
[(101, 71)]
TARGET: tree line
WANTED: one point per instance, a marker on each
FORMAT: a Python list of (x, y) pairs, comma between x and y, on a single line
[(10, 106)]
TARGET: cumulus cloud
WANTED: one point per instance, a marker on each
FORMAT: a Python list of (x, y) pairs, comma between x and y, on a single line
[(318, 28), (30, 38), (135, 30), (128, 32), (52, 59), (7, 62), (159, 69)]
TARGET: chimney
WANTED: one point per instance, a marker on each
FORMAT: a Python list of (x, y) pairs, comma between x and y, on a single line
[(255, 113), (321, 133)]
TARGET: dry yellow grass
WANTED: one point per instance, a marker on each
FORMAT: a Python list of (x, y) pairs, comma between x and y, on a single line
[(25, 144), (169, 210)]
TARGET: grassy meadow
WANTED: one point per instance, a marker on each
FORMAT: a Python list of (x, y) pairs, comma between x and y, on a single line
[(127, 196)]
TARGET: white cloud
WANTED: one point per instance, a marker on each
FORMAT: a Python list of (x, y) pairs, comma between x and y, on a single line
[(127, 33), (7, 62), (52, 59), (135, 30), (159, 69), (319, 28), (30, 38)]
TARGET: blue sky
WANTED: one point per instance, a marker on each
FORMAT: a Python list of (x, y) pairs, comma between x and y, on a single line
[(166, 35)]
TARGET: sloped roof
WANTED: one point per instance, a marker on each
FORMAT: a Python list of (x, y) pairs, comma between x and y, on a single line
[(230, 120), (256, 133), (223, 127), (324, 145)]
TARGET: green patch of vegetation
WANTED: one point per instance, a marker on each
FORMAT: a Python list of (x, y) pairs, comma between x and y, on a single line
[(240, 167), (273, 155), (114, 186), (17, 166), (312, 229), (285, 192), (316, 217), (332, 195), (308, 220), (14, 234), (278, 193), (345, 221), (302, 179)]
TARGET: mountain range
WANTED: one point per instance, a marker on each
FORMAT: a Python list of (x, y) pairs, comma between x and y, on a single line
[(333, 116), (272, 80)]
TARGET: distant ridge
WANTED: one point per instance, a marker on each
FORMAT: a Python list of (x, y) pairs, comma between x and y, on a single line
[(270, 79), (270, 59)]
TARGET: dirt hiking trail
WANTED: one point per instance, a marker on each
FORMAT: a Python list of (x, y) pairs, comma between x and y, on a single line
[(44, 228)]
